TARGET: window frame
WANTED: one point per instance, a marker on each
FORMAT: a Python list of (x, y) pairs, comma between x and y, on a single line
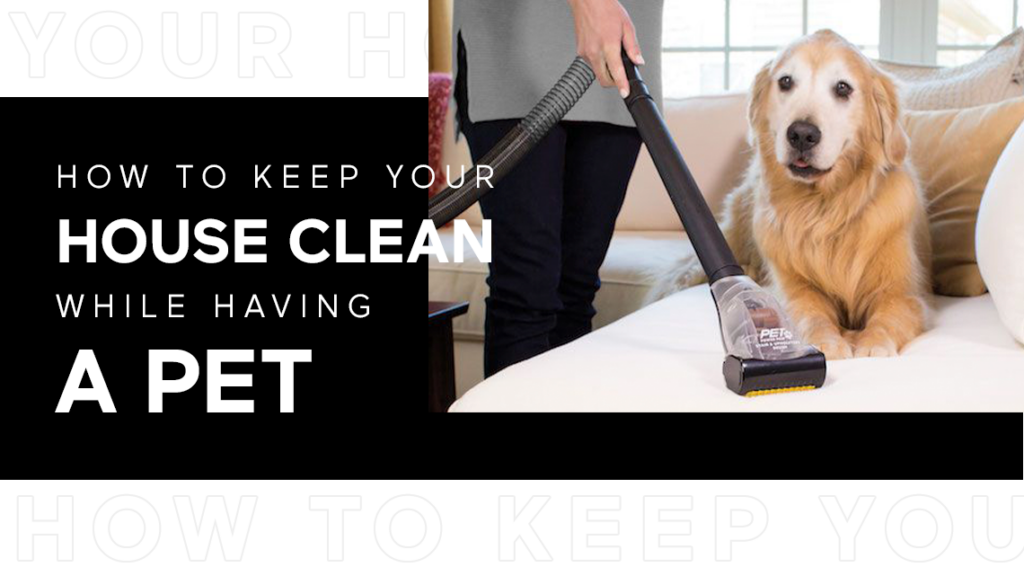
[(954, 47), (917, 22), (908, 32), (727, 49)]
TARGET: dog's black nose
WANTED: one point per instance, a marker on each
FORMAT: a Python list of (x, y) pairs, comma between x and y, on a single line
[(803, 135)]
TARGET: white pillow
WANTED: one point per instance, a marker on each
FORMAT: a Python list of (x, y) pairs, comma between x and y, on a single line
[(999, 235), (995, 76)]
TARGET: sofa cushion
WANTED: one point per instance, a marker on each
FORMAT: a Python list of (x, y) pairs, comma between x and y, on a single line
[(954, 152), (711, 133), (1000, 236), (625, 278), (668, 357), (995, 76)]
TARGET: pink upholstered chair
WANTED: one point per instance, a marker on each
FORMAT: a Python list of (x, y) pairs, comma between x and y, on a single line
[(440, 89)]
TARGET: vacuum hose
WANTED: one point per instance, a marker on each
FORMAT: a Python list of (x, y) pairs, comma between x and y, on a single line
[(444, 206)]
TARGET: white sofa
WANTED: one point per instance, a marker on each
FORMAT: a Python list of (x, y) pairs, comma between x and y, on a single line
[(668, 356), (711, 133)]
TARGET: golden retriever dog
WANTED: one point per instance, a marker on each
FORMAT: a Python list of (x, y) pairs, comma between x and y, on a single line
[(829, 213)]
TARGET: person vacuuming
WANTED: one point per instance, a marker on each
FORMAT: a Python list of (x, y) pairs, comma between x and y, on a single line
[(552, 218), (764, 352)]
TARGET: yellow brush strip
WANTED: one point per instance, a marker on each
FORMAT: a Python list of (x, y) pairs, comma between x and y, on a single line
[(777, 391)]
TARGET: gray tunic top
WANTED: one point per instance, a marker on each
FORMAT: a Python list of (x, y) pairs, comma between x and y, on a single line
[(517, 49)]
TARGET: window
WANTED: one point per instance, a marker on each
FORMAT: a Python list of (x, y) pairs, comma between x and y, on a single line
[(966, 28), (719, 45)]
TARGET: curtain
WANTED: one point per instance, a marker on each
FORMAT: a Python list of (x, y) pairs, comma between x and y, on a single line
[(440, 35)]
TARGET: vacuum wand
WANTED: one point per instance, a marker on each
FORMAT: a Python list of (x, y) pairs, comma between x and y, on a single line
[(764, 353), (701, 227)]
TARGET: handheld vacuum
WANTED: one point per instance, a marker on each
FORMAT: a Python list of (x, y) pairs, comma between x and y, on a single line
[(764, 354)]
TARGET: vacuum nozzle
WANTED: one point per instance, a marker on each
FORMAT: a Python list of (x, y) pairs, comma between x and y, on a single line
[(751, 377), (765, 353)]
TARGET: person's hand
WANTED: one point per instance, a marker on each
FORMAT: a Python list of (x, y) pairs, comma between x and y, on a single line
[(603, 29)]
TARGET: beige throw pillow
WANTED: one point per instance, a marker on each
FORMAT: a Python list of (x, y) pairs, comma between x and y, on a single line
[(996, 76), (954, 153)]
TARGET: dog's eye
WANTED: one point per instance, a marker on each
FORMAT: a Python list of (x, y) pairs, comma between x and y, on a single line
[(785, 83), (843, 90)]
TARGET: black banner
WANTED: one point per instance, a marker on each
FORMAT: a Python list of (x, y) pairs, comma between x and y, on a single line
[(350, 333)]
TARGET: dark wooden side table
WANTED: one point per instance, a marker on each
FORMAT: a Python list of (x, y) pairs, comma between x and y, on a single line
[(441, 354)]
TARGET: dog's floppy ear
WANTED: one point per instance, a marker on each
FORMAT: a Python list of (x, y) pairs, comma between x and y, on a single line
[(894, 139), (758, 94)]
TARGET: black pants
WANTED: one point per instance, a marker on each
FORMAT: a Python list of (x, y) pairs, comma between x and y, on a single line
[(552, 219)]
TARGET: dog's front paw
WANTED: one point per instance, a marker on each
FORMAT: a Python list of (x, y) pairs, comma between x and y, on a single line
[(873, 345), (834, 348)]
